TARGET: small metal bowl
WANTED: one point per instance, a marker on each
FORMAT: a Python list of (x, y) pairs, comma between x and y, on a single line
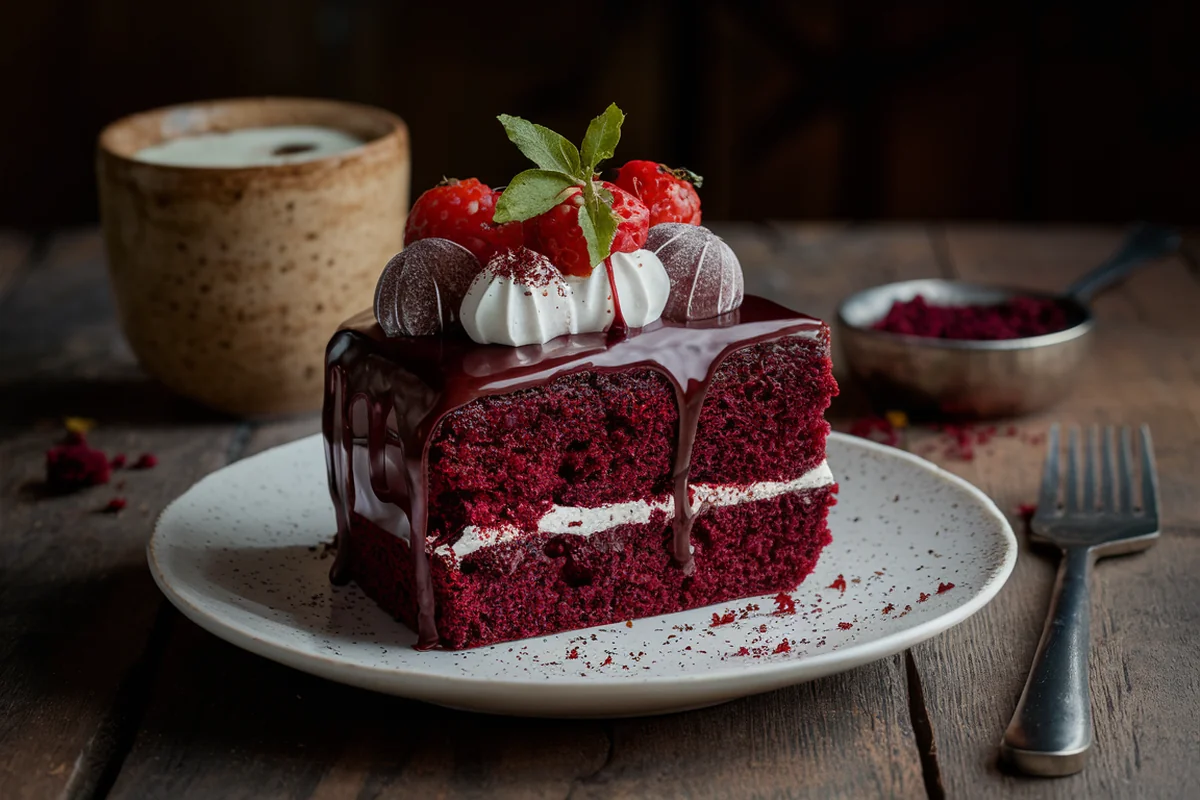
[(947, 377)]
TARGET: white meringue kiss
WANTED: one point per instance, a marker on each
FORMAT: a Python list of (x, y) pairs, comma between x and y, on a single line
[(498, 309), (642, 287), (501, 310)]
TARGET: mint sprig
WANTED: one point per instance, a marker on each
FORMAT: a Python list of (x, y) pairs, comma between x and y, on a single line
[(532, 189), (541, 145), (603, 134), (561, 168)]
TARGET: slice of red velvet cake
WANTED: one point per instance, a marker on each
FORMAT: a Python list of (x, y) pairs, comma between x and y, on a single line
[(526, 446)]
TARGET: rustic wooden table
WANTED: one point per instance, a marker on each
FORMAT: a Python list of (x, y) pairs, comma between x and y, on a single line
[(106, 691)]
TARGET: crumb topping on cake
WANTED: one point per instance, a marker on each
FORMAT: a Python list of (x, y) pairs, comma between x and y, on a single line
[(530, 269)]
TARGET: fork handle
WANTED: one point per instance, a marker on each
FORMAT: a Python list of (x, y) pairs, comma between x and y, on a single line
[(1051, 730)]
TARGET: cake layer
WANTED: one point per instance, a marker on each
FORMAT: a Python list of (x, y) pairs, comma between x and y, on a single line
[(593, 438), (549, 582), (583, 439)]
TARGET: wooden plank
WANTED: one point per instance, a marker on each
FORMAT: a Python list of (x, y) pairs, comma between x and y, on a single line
[(1146, 608), (15, 250), (222, 722), (846, 736), (77, 605)]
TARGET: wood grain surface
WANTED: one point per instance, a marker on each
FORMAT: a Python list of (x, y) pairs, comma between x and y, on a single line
[(106, 691), (78, 609)]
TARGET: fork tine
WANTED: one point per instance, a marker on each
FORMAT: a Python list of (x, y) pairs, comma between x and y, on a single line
[(1048, 497), (1106, 471), (1149, 475), (1124, 474), (1071, 487), (1090, 468)]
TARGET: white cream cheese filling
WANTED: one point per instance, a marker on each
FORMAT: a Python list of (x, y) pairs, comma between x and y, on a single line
[(579, 521)]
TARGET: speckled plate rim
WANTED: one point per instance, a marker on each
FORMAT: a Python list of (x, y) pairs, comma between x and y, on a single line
[(589, 696)]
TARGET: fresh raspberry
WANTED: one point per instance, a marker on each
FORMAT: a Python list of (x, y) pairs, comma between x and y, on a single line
[(461, 211), (557, 235), (668, 193)]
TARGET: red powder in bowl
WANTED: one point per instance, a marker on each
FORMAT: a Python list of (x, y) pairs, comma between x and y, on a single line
[(1013, 319)]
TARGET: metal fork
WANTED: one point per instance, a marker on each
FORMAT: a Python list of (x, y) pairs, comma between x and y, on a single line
[(1051, 730)]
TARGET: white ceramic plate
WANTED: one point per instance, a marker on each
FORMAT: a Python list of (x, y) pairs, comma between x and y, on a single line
[(238, 554)]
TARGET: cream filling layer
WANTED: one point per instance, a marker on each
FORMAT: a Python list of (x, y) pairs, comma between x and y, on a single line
[(580, 521)]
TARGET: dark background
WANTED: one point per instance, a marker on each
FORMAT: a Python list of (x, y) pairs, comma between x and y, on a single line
[(852, 110)]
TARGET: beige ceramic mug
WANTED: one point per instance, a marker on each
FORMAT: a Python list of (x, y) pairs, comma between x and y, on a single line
[(229, 281)]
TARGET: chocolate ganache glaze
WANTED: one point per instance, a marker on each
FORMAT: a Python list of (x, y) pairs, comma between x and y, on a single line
[(422, 379)]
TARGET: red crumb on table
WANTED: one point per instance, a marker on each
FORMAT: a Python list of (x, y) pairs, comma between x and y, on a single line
[(118, 461), (574, 653), (743, 651), (629, 623), (783, 647), (1026, 511), (115, 505), (784, 604), (146, 461), (723, 619), (924, 596), (74, 465), (606, 662), (845, 626), (889, 608), (944, 587), (961, 439), (1013, 319), (839, 584), (877, 429)]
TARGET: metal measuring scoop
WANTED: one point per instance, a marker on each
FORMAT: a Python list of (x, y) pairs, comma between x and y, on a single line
[(949, 377)]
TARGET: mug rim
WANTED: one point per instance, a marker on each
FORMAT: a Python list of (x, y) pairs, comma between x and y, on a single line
[(396, 133)]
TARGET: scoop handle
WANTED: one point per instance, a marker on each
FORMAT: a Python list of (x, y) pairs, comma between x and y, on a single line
[(1144, 243)]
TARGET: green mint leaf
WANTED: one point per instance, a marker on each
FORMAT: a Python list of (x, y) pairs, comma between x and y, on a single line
[(532, 192), (600, 141), (598, 222), (542, 146)]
